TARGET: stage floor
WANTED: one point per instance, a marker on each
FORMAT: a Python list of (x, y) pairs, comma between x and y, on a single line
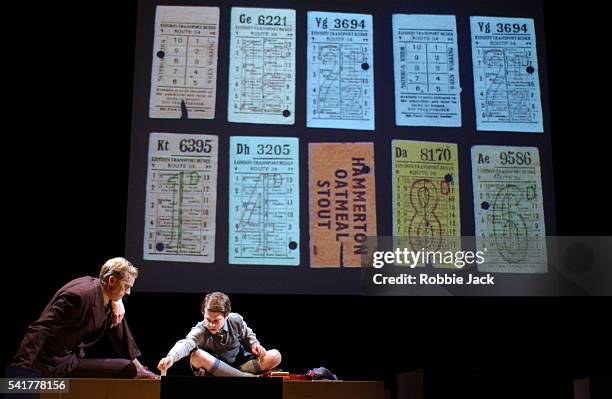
[(93, 388)]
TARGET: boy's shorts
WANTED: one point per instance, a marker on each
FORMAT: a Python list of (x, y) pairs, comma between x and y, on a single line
[(242, 357)]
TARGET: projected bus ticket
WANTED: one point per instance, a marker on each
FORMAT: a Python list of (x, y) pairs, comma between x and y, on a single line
[(508, 208), (181, 198), (506, 82), (262, 66), (184, 68), (342, 203), (340, 79), (425, 195), (264, 209), (426, 67)]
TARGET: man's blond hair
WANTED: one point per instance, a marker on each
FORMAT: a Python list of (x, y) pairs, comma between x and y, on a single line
[(118, 267)]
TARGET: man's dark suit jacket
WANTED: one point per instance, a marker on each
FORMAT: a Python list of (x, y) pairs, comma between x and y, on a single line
[(74, 319)]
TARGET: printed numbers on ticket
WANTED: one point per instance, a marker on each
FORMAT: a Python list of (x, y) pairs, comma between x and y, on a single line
[(506, 82), (426, 66), (181, 198), (509, 210), (264, 210), (342, 203), (184, 68), (262, 66), (340, 80), (426, 212)]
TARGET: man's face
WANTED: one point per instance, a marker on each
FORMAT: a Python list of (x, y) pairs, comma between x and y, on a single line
[(214, 321), (118, 288)]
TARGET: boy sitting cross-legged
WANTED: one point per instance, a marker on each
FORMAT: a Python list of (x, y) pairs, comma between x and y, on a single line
[(222, 344)]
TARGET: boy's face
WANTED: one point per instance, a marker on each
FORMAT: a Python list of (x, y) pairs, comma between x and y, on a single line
[(214, 321)]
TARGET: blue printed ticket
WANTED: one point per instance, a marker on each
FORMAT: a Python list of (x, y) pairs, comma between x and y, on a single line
[(426, 66), (340, 80), (264, 211), (262, 66), (506, 82)]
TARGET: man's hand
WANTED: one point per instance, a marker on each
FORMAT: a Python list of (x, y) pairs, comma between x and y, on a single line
[(165, 363), (258, 350), (118, 311)]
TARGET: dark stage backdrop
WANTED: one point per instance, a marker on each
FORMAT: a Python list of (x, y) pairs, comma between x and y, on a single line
[(69, 216)]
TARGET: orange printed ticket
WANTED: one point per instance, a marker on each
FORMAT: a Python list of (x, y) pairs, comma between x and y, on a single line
[(342, 203)]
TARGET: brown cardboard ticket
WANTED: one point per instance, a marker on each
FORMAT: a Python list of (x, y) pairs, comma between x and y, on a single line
[(342, 203)]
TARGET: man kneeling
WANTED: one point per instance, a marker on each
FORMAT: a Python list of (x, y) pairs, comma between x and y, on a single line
[(78, 316)]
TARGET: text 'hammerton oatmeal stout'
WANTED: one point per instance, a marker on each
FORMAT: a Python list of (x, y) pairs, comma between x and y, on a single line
[(342, 203)]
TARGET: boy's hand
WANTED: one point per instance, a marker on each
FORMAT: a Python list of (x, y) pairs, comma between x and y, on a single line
[(165, 363), (258, 350), (118, 311)]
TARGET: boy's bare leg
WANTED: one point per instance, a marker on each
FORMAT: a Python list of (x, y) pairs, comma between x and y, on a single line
[(215, 366), (270, 360)]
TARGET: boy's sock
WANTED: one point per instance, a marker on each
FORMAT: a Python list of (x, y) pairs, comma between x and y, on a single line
[(222, 369), (252, 366)]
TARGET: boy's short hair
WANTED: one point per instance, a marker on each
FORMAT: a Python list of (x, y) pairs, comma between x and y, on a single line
[(217, 302)]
